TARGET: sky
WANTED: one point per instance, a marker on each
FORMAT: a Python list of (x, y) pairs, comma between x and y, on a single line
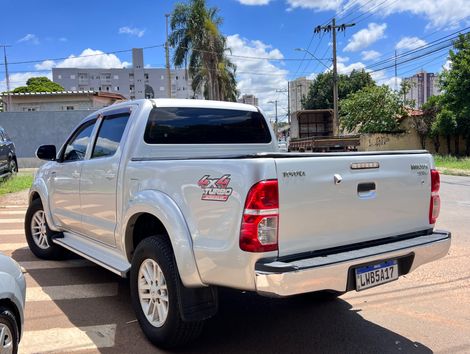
[(262, 34)]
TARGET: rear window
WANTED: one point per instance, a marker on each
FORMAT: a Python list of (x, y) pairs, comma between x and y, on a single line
[(172, 125)]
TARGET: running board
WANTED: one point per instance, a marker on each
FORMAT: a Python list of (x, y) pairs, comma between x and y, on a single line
[(97, 253)]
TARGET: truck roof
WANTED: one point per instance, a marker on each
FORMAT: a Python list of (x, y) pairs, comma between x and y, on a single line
[(175, 102)]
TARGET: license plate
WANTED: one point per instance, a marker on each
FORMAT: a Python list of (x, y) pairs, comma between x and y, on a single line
[(376, 274)]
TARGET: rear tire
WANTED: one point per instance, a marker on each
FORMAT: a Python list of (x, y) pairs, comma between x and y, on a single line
[(39, 235), (9, 335), (155, 285)]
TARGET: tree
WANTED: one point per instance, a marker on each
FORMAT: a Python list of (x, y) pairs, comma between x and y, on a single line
[(455, 84), (445, 124), (423, 123), (195, 35), (374, 109), (320, 94), (39, 84)]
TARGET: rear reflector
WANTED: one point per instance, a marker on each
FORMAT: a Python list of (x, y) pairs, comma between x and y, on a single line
[(260, 221), (435, 203)]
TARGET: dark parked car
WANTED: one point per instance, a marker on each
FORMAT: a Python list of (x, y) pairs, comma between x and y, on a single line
[(8, 162)]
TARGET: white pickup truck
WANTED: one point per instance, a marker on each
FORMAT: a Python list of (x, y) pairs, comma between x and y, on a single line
[(184, 196)]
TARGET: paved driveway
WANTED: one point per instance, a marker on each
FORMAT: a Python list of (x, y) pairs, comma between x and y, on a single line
[(75, 306)]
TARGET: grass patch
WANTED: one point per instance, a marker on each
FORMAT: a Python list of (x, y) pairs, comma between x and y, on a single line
[(16, 183), (452, 162)]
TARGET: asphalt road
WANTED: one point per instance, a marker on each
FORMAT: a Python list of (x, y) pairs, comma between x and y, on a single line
[(75, 306)]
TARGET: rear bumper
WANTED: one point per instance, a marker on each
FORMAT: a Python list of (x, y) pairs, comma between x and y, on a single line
[(336, 271)]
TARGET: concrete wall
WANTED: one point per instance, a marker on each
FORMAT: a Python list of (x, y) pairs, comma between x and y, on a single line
[(28, 130)]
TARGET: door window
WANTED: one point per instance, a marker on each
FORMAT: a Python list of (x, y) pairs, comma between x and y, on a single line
[(109, 135), (77, 145)]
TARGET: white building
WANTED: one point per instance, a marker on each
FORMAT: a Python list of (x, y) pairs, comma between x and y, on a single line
[(249, 99), (59, 101), (133, 83), (422, 86), (298, 89)]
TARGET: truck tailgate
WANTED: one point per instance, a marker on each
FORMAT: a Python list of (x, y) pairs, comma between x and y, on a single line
[(336, 200)]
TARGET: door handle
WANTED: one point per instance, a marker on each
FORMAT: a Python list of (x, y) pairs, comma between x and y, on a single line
[(366, 190), (75, 174)]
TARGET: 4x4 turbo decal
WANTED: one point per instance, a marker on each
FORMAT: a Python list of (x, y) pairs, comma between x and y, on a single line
[(215, 188)]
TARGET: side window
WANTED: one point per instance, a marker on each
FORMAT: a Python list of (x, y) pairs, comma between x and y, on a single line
[(76, 147), (109, 135)]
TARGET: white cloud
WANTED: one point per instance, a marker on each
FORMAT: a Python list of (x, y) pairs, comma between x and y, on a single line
[(365, 37), (89, 58), (63, 39), (45, 65), (382, 79), (409, 43), (370, 55), (259, 76), (19, 79), (346, 69), (32, 38), (254, 2), (132, 31), (318, 5), (447, 64), (440, 13)]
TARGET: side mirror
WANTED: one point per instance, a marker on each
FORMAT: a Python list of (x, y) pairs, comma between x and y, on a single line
[(46, 152)]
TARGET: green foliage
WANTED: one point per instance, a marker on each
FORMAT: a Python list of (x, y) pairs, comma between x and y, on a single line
[(452, 162), (374, 109), (423, 123), (320, 95), (455, 84), (16, 183), (195, 36), (39, 84)]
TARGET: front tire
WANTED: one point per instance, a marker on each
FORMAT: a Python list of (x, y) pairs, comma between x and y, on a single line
[(155, 285), (9, 335), (13, 166), (39, 235)]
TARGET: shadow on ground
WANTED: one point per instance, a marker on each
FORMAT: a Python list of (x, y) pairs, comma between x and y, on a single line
[(246, 323)]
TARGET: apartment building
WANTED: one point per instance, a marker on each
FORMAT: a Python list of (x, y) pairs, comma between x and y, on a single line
[(422, 86), (249, 99), (298, 89), (133, 83)]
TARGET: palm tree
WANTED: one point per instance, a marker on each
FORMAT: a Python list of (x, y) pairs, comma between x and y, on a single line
[(195, 34)]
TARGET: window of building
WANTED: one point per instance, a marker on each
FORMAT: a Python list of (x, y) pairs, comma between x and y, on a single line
[(116, 77), (92, 89), (73, 88), (176, 77), (30, 109), (162, 88), (116, 88), (131, 76), (146, 76), (162, 77), (59, 76), (72, 77), (109, 135), (69, 108), (131, 87), (132, 97)]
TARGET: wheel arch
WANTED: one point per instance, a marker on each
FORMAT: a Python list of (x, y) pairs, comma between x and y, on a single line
[(153, 213), (10, 305)]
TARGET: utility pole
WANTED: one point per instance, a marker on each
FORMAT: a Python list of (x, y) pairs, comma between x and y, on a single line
[(167, 58), (275, 107), (288, 100), (333, 28), (7, 77)]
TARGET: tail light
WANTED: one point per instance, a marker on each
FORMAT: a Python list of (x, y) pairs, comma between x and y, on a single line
[(435, 204), (260, 222)]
